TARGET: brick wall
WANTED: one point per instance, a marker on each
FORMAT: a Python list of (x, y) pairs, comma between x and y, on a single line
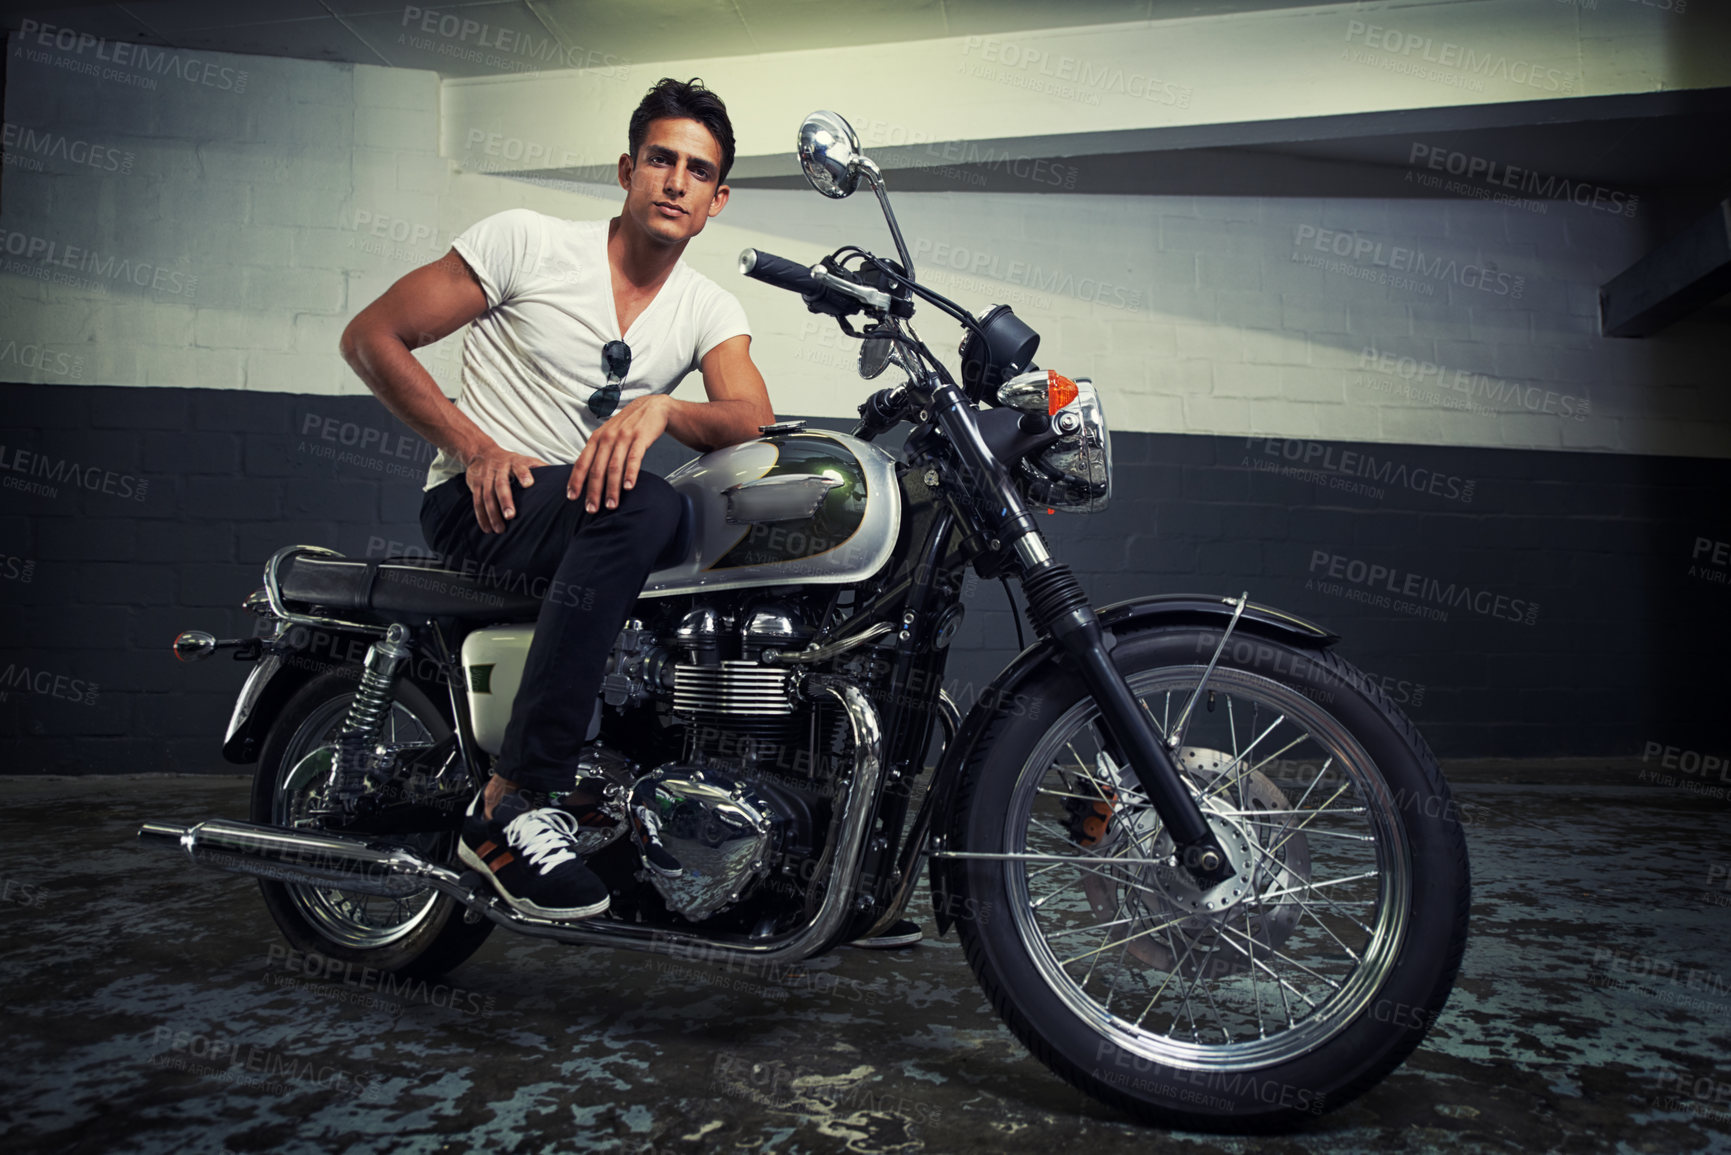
[(227, 237), (170, 306)]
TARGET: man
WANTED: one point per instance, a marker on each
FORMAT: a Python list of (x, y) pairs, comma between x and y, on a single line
[(581, 331)]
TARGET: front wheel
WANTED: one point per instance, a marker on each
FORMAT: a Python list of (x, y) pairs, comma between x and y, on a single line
[(1283, 993)]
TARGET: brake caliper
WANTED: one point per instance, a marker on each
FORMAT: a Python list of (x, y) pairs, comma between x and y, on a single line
[(1088, 820)]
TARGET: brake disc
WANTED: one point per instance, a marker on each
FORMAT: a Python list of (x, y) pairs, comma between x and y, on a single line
[(1172, 923)]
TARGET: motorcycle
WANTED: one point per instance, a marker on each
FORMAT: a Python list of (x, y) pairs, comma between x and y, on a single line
[(1204, 869)]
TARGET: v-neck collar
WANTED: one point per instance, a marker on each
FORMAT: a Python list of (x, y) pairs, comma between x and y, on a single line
[(612, 301)]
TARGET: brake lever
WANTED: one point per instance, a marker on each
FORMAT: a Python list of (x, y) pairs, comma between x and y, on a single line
[(870, 298)]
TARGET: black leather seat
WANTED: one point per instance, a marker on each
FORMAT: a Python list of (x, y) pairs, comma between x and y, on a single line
[(402, 588), (415, 588)]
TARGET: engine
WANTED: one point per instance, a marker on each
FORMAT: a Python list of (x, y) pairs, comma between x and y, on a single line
[(742, 803)]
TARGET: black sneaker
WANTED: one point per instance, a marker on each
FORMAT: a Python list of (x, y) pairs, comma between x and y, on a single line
[(529, 854), (660, 859), (903, 932), (599, 822)]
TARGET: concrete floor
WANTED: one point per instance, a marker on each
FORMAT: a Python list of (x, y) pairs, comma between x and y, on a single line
[(1593, 1013)]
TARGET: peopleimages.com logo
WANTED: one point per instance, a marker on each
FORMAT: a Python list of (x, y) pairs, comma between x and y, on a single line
[(47, 254), (983, 263), (28, 147), (1378, 583), (1521, 180), (1067, 77), (1710, 560), (34, 356), (29, 463), (1325, 461), (464, 38), (121, 60), (1465, 389), (1456, 63), (47, 684), (1398, 266)]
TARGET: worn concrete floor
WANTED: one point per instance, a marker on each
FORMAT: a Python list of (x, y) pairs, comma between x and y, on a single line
[(142, 1000)]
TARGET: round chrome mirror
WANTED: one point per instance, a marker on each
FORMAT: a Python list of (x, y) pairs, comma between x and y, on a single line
[(873, 356), (829, 153)]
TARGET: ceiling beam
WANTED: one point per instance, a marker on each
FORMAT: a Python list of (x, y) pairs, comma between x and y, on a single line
[(1688, 271)]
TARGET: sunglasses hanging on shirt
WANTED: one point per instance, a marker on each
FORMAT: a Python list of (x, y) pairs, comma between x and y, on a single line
[(616, 363)]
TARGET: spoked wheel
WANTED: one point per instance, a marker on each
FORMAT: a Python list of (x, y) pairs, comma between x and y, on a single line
[(1281, 993), (422, 933)]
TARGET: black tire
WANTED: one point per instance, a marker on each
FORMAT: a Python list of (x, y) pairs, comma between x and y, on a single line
[(440, 940), (1192, 1077)]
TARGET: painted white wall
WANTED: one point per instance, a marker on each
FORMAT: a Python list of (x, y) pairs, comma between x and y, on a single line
[(221, 229)]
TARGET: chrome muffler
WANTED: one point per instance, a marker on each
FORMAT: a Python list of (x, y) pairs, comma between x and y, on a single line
[(306, 857), (313, 858)]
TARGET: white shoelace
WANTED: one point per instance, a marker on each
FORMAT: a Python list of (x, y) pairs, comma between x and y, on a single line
[(544, 836)]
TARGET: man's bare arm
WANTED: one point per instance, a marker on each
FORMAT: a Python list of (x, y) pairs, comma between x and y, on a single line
[(738, 403), (424, 306)]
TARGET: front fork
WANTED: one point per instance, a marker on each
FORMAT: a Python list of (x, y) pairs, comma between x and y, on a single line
[(1059, 607), (1060, 610)]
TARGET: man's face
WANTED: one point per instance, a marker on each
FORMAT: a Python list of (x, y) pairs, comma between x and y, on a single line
[(671, 189)]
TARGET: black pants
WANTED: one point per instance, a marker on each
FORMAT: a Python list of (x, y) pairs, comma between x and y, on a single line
[(590, 566)]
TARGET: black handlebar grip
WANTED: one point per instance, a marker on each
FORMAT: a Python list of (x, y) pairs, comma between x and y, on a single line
[(779, 271)]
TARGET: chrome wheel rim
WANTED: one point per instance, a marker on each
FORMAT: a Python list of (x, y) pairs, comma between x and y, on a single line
[(356, 921), (1211, 981)]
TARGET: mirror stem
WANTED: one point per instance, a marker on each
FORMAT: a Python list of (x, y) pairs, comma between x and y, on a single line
[(876, 180)]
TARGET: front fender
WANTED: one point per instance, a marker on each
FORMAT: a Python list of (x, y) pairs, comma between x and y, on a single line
[(1119, 617)]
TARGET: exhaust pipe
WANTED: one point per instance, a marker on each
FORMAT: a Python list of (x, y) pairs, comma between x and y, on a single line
[(313, 858), (305, 857)]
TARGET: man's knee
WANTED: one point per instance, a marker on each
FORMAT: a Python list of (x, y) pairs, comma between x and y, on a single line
[(654, 501)]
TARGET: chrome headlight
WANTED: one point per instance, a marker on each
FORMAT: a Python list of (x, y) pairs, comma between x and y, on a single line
[(1075, 474)]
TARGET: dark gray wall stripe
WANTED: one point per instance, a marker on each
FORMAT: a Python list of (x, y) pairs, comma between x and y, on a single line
[(1586, 597)]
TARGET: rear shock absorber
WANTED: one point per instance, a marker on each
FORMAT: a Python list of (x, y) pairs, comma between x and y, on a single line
[(358, 740)]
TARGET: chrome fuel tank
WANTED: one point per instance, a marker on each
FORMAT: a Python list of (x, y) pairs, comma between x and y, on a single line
[(790, 509)]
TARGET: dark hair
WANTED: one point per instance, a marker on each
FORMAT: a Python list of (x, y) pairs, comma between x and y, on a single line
[(672, 100)]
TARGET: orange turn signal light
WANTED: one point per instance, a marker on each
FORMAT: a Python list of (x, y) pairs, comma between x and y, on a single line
[(1060, 391)]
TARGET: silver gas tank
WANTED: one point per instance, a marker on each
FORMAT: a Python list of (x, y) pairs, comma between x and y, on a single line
[(790, 509)]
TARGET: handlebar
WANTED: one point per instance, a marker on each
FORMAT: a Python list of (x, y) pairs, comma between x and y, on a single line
[(779, 271), (828, 292)]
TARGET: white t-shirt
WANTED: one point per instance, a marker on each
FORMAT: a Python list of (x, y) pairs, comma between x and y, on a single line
[(533, 359)]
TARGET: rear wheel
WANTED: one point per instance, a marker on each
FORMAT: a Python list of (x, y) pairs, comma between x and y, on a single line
[(1287, 991), (420, 934)]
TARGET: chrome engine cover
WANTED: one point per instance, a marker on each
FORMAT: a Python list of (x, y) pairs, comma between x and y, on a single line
[(720, 830), (610, 775)]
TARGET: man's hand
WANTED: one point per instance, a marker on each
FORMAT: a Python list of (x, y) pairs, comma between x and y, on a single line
[(613, 454), (489, 473), (738, 404)]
